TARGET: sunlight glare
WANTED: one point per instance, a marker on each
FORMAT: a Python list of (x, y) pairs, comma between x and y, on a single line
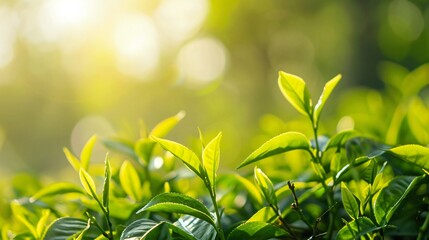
[(136, 43), (8, 24), (178, 20)]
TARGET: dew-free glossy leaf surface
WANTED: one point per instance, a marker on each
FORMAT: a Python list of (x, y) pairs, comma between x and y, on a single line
[(178, 203), (56, 189), (256, 231), (87, 182), (64, 228), (164, 127), (130, 180), (279, 144), (357, 228), (211, 158), (266, 186), (392, 196), (412, 153), (327, 90), (106, 183), (85, 155), (188, 157), (296, 92), (349, 202)]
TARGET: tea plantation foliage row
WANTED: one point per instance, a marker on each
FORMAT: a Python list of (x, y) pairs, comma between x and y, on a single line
[(350, 185)]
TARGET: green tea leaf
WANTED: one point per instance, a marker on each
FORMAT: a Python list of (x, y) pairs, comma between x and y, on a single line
[(198, 228), (327, 90), (65, 228), (296, 92), (415, 154), (72, 159), (211, 158), (349, 201), (87, 183), (250, 188), (340, 139), (85, 155), (41, 224), (178, 203), (266, 186), (390, 197), (56, 189), (137, 229), (188, 157), (164, 127), (121, 146), (265, 214), (144, 148), (279, 144), (130, 180), (256, 231), (106, 183), (357, 228)]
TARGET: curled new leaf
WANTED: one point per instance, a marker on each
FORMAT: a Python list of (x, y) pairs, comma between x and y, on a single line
[(178, 203), (85, 155), (266, 186), (296, 92), (282, 143), (166, 125)]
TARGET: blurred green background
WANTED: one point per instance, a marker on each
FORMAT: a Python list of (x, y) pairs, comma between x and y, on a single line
[(72, 68)]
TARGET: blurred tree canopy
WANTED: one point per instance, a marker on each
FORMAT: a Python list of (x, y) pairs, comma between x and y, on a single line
[(71, 68)]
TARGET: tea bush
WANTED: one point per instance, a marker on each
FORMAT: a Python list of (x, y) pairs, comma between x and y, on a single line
[(354, 184)]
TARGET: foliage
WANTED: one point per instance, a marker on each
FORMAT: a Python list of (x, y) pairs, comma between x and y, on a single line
[(358, 187)]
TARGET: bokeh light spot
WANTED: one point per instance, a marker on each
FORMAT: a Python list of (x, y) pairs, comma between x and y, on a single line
[(85, 128), (8, 25), (405, 19), (202, 60), (178, 20), (137, 47)]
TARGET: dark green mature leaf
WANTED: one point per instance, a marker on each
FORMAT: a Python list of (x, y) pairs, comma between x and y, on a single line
[(56, 189), (188, 157), (279, 144), (296, 92), (211, 158), (357, 228), (65, 228), (266, 186), (349, 201), (137, 229), (390, 197), (256, 231), (340, 139), (415, 154), (178, 203), (327, 90), (85, 155), (196, 227)]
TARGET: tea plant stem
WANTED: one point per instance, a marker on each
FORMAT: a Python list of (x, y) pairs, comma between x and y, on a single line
[(329, 194), (283, 221), (423, 229), (94, 221), (295, 205), (212, 193)]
